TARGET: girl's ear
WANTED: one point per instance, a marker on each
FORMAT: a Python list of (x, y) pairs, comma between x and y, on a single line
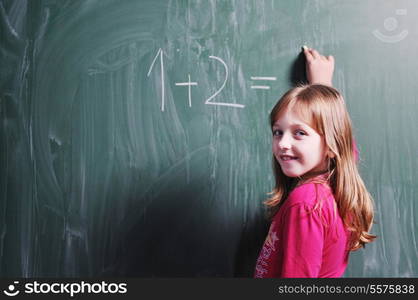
[(330, 154)]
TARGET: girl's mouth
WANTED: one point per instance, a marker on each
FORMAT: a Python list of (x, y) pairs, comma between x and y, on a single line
[(287, 157)]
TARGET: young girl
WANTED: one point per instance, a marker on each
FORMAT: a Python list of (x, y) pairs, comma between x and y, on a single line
[(320, 208)]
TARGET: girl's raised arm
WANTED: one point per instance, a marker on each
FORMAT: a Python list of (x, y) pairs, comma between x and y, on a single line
[(319, 68)]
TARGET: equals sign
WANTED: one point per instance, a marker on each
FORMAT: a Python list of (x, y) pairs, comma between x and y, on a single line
[(262, 87)]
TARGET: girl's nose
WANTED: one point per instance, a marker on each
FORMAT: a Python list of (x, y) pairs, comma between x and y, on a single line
[(284, 142)]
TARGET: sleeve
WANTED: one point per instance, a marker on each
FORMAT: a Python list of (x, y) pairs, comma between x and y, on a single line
[(302, 242)]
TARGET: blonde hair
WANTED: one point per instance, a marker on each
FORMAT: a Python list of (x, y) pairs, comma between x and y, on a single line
[(323, 108)]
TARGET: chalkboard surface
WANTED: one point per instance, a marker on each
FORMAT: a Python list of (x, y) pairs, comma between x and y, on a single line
[(135, 140)]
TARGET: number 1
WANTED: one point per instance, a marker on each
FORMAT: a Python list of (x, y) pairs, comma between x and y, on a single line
[(160, 53)]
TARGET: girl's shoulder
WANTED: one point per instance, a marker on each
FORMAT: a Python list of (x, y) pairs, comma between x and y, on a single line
[(309, 193)]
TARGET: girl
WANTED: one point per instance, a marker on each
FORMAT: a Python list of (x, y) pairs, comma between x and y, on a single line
[(320, 208)]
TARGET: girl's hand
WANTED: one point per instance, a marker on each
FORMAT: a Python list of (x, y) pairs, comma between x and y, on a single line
[(319, 68)]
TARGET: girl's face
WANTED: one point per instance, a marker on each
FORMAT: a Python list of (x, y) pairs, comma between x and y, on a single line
[(297, 147)]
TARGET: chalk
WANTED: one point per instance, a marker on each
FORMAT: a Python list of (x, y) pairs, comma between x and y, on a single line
[(305, 47)]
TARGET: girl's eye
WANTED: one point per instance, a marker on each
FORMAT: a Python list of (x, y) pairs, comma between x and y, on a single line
[(300, 132), (277, 132)]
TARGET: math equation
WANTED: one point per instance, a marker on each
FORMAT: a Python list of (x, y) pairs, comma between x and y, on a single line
[(189, 84)]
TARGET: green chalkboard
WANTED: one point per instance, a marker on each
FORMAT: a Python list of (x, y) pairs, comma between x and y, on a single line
[(135, 137)]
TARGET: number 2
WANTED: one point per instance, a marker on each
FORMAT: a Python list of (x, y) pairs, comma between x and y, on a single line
[(208, 101)]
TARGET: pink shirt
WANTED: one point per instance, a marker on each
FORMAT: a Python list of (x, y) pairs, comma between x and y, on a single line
[(303, 242)]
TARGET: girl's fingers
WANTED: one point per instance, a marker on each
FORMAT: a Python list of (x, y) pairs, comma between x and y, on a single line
[(315, 54), (312, 54), (308, 54)]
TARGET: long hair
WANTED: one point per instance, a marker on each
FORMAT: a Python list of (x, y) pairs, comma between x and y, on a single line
[(323, 108)]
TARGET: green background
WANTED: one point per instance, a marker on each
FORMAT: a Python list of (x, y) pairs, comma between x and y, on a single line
[(97, 180)]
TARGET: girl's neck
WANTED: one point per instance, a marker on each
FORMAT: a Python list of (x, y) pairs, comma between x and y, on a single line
[(318, 176)]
